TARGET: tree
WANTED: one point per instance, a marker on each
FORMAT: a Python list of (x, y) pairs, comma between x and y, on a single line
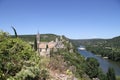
[(35, 44), (92, 67), (15, 32), (102, 75), (14, 57), (111, 74)]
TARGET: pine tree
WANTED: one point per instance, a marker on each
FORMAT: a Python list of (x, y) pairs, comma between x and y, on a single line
[(35, 44), (111, 74)]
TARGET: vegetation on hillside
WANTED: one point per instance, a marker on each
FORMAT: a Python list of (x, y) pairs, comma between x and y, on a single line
[(18, 60), (86, 42), (111, 74), (44, 37), (110, 49), (81, 68), (67, 61), (105, 47)]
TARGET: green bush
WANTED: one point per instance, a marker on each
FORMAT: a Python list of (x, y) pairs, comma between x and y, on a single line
[(18, 60)]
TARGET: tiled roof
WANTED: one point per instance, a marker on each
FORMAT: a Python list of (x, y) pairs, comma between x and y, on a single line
[(51, 44), (43, 45)]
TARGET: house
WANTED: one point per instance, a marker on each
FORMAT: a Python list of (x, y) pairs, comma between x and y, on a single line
[(44, 48)]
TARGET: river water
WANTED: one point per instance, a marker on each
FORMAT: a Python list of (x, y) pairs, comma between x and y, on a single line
[(104, 63)]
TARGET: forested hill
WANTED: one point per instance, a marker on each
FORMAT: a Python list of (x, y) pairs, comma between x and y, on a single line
[(85, 42), (113, 42), (105, 47), (44, 37)]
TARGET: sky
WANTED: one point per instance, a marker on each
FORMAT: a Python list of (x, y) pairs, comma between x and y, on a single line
[(76, 19)]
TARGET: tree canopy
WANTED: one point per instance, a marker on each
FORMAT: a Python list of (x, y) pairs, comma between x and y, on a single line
[(92, 67), (18, 60)]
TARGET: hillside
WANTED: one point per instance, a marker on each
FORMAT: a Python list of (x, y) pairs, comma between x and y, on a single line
[(114, 42), (105, 47), (110, 42), (19, 61), (44, 37), (78, 42)]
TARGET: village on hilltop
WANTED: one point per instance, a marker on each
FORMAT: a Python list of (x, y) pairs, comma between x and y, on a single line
[(44, 48)]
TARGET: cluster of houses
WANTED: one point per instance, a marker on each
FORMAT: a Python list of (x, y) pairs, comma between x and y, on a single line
[(44, 48)]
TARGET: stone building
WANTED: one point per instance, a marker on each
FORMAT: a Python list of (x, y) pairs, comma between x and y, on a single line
[(45, 47)]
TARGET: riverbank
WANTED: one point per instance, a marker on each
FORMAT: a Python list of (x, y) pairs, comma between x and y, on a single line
[(104, 63)]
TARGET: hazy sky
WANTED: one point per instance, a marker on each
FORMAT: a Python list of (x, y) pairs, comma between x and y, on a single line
[(72, 18)]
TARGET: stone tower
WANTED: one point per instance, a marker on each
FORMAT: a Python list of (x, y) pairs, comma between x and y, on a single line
[(56, 40), (38, 40)]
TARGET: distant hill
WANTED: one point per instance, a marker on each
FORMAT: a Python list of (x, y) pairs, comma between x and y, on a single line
[(85, 42), (43, 37), (114, 42), (105, 47)]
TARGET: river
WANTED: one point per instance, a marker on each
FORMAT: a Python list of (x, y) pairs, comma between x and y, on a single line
[(104, 63)]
